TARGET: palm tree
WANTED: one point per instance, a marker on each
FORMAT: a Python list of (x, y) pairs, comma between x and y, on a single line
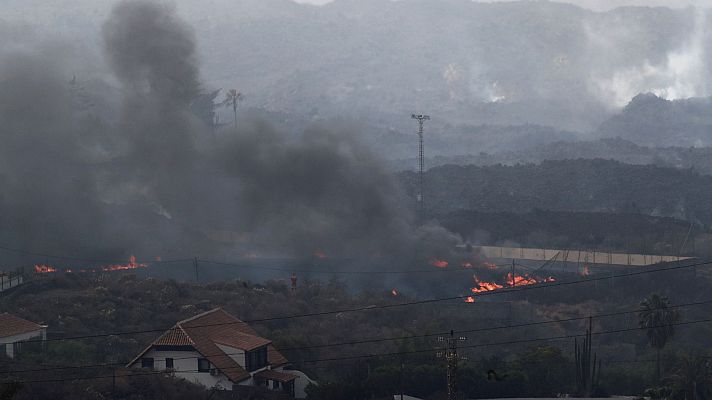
[(692, 378), (232, 99), (658, 320)]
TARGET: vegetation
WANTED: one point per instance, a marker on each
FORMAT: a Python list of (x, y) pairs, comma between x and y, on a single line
[(569, 185), (658, 319), (74, 305)]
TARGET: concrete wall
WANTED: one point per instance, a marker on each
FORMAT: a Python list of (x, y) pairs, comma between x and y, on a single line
[(10, 341), (185, 366), (7, 282), (236, 354), (300, 384), (576, 256)]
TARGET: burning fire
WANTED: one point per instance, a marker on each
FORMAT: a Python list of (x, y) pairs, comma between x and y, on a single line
[(511, 281), (132, 264), (121, 267), (394, 292), (439, 263), (525, 280), (44, 269), (483, 286)]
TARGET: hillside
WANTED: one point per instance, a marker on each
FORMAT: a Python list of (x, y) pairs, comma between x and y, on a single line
[(651, 121), (459, 60), (625, 151), (568, 185)]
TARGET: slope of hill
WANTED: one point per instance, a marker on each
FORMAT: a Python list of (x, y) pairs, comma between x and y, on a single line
[(569, 185), (506, 63), (651, 121), (625, 151)]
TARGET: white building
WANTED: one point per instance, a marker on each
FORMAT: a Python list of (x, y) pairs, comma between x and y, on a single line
[(15, 330), (217, 350)]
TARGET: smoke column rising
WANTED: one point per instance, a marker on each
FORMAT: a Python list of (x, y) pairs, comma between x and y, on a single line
[(155, 181)]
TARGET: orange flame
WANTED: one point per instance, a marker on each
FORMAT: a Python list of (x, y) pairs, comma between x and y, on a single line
[(132, 264), (122, 267), (483, 286), (44, 269), (439, 263), (525, 280), (469, 299)]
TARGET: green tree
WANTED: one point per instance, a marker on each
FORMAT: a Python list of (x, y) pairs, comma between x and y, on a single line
[(658, 320), (692, 379)]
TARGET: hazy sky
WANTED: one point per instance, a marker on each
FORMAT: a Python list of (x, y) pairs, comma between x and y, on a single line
[(597, 4)]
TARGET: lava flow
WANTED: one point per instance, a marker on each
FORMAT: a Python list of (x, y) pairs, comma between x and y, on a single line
[(525, 280), (44, 269), (511, 281), (483, 286), (132, 264)]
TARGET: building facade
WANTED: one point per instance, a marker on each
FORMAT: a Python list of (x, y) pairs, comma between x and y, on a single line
[(219, 351)]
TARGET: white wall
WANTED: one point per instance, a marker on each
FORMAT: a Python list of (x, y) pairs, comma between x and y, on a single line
[(10, 340), (186, 361), (236, 354)]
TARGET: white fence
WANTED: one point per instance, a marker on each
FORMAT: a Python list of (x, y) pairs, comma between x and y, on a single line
[(576, 256), (10, 281)]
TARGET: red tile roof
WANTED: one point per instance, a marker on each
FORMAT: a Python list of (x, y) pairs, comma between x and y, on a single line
[(206, 330), (275, 375), (11, 325), (173, 337)]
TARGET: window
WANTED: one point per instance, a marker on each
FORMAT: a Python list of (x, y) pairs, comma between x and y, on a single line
[(147, 363), (256, 359), (203, 365), (169, 363)]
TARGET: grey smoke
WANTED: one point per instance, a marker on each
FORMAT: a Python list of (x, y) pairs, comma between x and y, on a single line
[(155, 180)]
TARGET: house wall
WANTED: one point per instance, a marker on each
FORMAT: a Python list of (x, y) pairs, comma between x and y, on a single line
[(236, 354), (11, 340), (300, 384), (186, 368)]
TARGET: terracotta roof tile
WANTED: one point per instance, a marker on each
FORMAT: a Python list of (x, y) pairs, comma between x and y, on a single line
[(275, 375), (203, 331), (173, 337), (11, 325)]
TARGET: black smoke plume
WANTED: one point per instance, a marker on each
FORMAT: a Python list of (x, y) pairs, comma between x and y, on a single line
[(152, 179)]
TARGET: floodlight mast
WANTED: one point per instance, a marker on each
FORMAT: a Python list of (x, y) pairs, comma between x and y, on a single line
[(421, 118)]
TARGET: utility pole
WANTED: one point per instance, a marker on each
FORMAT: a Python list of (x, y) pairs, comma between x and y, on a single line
[(195, 266), (451, 359), (421, 155)]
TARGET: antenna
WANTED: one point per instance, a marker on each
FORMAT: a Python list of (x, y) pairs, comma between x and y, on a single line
[(421, 155)]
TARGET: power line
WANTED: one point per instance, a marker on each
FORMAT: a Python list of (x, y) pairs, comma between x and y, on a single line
[(396, 305), (375, 340), (390, 354), (345, 272)]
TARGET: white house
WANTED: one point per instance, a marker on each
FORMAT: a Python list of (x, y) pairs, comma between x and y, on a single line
[(15, 330), (217, 350)]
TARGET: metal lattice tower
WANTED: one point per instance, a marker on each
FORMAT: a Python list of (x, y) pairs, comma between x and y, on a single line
[(452, 359), (421, 156)]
